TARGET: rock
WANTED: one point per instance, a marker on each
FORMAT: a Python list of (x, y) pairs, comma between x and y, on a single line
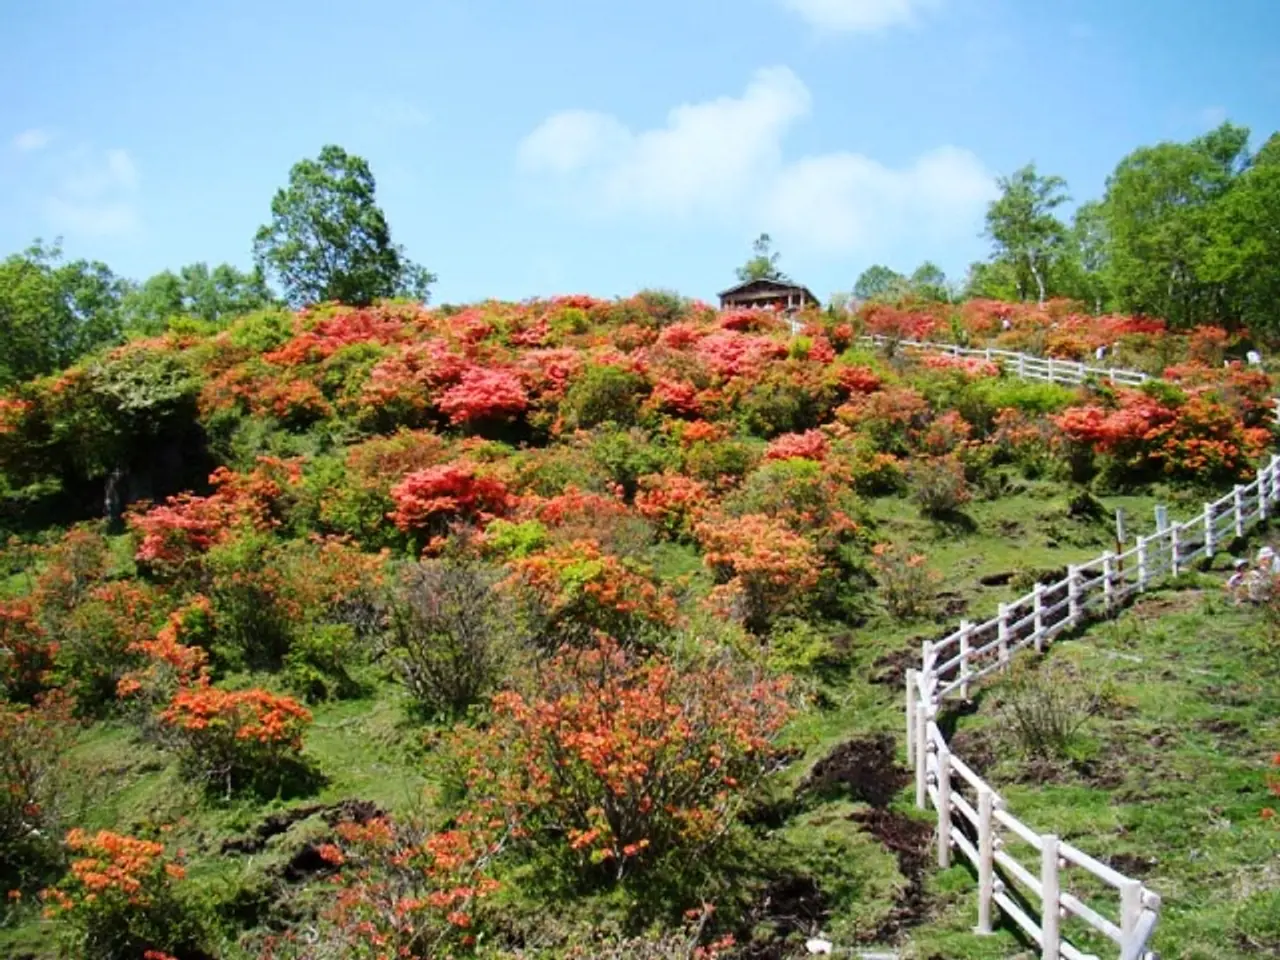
[(815, 945)]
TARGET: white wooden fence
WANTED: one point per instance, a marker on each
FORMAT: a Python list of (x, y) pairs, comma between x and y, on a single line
[(972, 817), (1023, 364)]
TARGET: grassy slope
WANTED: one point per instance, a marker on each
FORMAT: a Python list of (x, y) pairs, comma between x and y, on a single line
[(369, 751)]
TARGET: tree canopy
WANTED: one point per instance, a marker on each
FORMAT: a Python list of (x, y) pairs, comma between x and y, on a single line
[(329, 240), (213, 296), (763, 264)]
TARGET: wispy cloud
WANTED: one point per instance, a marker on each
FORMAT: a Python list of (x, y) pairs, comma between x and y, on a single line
[(97, 195), (722, 160), (33, 139), (1213, 116), (858, 16)]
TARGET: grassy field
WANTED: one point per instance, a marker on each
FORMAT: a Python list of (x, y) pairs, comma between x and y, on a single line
[(1167, 781)]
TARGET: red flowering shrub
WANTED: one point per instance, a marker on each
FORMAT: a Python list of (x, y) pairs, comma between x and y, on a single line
[(676, 397), (810, 445), (733, 354), (761, 564), (899, 324), (889, 417), (618, 762), (856, 379), (972, 367), (120, 900), (484, 395), (1207, 345), (945, 434), (228, 736), (99, 641), (426, 498), (170, 664)]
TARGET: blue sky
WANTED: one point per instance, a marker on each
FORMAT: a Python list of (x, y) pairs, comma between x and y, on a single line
[(526, 148)]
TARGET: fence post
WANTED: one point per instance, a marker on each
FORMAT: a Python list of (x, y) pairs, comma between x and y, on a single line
[(911, 712), (1022, 367), (1108, 579), (1130, 911), (966, 631), (1002, 633), (986, 859), (1050, 895), (922, 756), (1238, 493), (1051, 374), (1142, 564), (1037, 593), (1162, 518), (1073, 595), (1262, 494), (944, 808), (1209, 545), (1174, 550)]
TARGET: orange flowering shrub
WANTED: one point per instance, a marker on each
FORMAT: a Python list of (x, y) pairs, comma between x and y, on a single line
[(810, 445), (889, 417), (26, 652), (120, 899), (673, 502), (228, 736), (907, 587), (100, 638), (762, 565), (170, 664), (618, 762), (401, 894), (579, 586)]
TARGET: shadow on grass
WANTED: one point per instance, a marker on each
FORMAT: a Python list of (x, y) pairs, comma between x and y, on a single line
[(952, 523)]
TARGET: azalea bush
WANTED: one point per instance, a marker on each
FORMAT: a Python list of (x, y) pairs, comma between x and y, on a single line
[(617, 762), (122, 900), (229, 737), (761, 564), (938, 486), (907, 587)]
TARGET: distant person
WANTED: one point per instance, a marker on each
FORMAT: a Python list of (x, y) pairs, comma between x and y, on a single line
[(1005, 324), (1239, 570), (1254, 358), (1100, 353)]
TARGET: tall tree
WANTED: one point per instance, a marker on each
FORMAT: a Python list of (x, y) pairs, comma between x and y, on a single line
[(329, 240), (929, 282), (214, 296), (1159, 216), (1243, 255), (763, 264), (53, 311), (1022, 225), (879, 282)]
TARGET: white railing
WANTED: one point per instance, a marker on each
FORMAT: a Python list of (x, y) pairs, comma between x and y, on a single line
[(972, 817), (1022, 364)]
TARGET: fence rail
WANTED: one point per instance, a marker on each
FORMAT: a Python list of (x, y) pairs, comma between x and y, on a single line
[(1023, 364), (972, 817)]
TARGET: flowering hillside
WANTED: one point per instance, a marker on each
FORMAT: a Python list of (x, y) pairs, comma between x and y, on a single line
[(603, 561)]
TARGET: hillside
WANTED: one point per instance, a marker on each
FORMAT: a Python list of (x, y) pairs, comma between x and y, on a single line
[(578, 628)]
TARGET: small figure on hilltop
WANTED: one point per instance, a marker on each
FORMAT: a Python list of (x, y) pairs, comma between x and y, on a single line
[(1253, 585)]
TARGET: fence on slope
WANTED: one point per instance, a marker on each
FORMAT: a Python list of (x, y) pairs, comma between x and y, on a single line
[(973, 818)]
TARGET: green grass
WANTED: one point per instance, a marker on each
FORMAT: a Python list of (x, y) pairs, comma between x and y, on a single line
[(1152, 778)]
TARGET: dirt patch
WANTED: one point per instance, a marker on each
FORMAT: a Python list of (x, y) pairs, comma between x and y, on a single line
[(307, 862), (790, 904), (952, 604), (1226, 729), (1132, 865), (1183, 600), (359, 811), (864, 768), (997, 579), (909, 840), (891, 668), (975, 750)]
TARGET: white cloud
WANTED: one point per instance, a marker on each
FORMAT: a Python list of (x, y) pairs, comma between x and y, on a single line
[(33, 139), (723, 160), (704, 158), (857, 16), (97, 194)]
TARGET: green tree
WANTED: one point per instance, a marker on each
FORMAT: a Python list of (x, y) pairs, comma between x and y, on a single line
[(763, 264), (52, 311), (1026, 233), (929, 282), (879, 282), (1243, 255), (329, 240), (214, 296), (1159, 211), (993, 280)]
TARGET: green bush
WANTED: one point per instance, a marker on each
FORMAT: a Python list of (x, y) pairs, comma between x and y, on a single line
[(603, 395), (320, 662), (627, 455)]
